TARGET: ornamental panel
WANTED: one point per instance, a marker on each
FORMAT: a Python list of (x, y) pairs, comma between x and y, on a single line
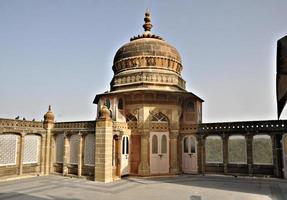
[(59, 148), (74, 148), (237, 149), (89, 156), (8, 149), (31, 149), (214, 149), (262, 150)]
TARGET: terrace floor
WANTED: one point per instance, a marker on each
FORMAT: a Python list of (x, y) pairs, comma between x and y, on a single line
[(184, 187)]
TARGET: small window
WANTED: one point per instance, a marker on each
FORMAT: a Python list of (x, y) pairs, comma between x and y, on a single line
[(163, 144), (123, 145), (154, 144), (108, 103), (120, 104), (190, 107)]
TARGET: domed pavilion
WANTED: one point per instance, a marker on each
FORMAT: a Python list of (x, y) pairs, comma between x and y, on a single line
[(148, 97)]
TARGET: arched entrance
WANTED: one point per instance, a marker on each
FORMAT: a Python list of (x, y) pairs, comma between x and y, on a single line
[(159, 153), (189, 154), (125, 155), (284, 142)]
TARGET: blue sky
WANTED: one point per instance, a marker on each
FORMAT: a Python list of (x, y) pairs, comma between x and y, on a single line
[(60, 52)]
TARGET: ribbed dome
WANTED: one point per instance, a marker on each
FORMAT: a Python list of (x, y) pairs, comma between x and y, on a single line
[(147, 61), (147, 47)]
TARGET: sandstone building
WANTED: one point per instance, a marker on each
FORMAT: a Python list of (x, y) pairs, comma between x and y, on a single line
[(147, 124)]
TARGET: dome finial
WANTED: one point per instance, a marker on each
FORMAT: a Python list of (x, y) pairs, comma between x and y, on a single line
[(147, 25), (49, 108)]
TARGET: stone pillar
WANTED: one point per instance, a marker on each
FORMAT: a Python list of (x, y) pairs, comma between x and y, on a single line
[(80, 153), (144, 169), (225, 152), (49, 120), (42, 158), (249, 144), (104, 143), (174, 169), (202, 149), (65, 155), (52, 153), (21, 153), (274, 155)]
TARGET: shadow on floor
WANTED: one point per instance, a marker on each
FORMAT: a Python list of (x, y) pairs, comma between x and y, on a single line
[(21, 196)]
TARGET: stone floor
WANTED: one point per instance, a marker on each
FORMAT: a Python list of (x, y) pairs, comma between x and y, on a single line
[(185, 187)]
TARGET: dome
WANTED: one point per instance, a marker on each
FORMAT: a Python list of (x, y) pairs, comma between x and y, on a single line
[(147, 47), (49, 116), (147, 61)]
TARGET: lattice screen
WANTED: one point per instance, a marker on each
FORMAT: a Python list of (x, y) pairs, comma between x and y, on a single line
[(8, 149), (59, 148), (74, 148), (31, 149), (89, 156)]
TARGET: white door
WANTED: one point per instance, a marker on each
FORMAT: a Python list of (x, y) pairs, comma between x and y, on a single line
[(284, 146), (159, 153), (125, 155), (189, 155)]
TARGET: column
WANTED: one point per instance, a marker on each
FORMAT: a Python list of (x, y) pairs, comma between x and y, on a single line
[(42, 158), (249, 144), (225, 152), (174, 169), (66, 154), (144, 169), (80, 153), (21, 153), (202, 149), (103, 154), (274, 155)]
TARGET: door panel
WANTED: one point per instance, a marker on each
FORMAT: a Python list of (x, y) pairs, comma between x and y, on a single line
[(189, 154), (125, 155), (159, 154)]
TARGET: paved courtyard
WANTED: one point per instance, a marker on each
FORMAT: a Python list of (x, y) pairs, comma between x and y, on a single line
[(186, 187)]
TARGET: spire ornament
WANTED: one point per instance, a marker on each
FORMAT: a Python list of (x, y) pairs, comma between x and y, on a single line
[(147, 28), (147, 25)]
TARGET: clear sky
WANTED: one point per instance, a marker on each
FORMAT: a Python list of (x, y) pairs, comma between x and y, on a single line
[(60, 52)]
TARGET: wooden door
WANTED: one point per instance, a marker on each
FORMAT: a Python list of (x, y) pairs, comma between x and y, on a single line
[(189, 154), (125, 155), (159, 153)]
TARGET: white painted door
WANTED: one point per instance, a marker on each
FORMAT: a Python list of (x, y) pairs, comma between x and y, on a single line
[(125, 155), (284, 146), (189, 155), (159, 153)]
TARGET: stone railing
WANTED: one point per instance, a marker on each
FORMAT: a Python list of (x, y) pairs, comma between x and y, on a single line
[(20, 123), (248, 126), (76, 125)]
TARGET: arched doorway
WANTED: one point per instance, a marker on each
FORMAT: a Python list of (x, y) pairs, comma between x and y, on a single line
[(159, 144), (189, 154), (159, 153), (125, 155), (284, 142)]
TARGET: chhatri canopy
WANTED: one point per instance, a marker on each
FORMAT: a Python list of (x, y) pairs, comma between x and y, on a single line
[(281, 79)]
